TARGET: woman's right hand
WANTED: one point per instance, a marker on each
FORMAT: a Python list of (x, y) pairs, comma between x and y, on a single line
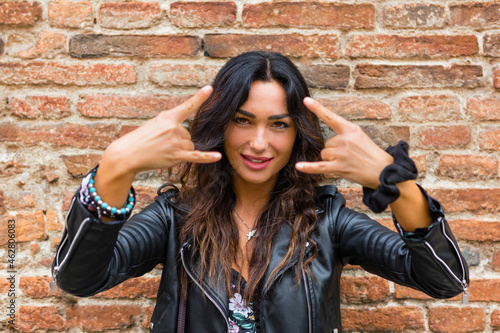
[(161, 142)]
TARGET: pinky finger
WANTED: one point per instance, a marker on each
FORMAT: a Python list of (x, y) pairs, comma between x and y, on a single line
[(315, 167)]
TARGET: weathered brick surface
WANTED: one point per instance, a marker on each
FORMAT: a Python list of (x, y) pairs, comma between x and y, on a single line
[(40, 319), (430, 108), (453, 319), (399, 319), (496, 78), (363, 289), (415, 76), (133, 288), (100, 318), (129, 15), (326, 76), (354, 108), (384, 136), (484, 108), (202, 14), (476, 15), (20, 13), (489, 139), (474, 230), (293, 45), (491, 45), (495, 319), (2, 45), (48, 45), (310, 14), (167, 75), (441, 137), (46, 107), (467, 167), (70, 14), (478, 201), (28, 226), (414, 15), (143, 106), (496, 262), (79, 165), (485, 290), (394, 46), (79, 74), (94, 46)]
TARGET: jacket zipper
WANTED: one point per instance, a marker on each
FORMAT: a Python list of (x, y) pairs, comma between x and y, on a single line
[(57, 267), (308, 301), (463, 282), (202, 289)]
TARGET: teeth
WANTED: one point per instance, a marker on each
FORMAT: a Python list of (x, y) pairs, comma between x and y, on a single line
[(255, 161)]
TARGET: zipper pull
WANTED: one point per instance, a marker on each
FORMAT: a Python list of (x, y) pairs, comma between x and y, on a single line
[(465, 296), (53, 283)]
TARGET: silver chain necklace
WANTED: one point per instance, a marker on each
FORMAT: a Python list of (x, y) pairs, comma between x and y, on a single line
[(251, 231)]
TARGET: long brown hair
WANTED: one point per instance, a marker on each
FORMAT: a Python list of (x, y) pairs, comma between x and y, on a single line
[(210, 224)]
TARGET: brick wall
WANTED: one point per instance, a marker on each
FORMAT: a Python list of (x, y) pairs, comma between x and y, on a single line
[(75, 75)]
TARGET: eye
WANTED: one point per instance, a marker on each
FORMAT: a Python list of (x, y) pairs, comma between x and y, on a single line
[(241, 121), (281, 125)]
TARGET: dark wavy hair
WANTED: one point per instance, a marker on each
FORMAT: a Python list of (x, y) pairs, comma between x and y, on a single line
[(208, 187)]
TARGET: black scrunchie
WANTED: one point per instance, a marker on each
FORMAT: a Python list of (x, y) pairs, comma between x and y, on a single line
[(402, 169)]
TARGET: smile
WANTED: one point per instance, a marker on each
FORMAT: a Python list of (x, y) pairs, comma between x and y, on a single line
[(255, 162)]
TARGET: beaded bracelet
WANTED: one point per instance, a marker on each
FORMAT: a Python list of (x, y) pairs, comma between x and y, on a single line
[(105, 209)]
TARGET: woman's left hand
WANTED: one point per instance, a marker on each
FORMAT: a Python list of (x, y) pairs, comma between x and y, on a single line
[(350, 154)]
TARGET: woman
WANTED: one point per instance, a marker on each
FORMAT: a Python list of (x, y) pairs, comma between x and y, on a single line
[(251, 243)]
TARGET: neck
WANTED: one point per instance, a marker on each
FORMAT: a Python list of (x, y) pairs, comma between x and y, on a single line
[(250, 198)]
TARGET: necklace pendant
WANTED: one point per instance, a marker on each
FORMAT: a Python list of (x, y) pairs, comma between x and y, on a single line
[(251, 233)]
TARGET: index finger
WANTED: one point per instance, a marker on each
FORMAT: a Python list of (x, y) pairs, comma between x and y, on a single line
[(333, 120), (182, 111)]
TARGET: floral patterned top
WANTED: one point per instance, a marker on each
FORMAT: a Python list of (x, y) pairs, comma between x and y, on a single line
[(242, 318)]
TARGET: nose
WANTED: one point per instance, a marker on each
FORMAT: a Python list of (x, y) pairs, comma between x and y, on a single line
[(258, 141)]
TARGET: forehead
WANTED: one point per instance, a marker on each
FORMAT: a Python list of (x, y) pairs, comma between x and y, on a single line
[(266, 98)]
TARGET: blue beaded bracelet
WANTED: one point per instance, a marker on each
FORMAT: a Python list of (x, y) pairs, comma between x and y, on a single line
[(105, 209)]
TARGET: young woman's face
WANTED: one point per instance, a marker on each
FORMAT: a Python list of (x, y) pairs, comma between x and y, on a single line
[(259, 139)]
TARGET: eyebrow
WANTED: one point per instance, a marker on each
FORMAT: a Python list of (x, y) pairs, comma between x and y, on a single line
[(273, 117)]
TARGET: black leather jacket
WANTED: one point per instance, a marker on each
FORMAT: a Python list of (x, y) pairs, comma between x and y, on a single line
[(94, 256)]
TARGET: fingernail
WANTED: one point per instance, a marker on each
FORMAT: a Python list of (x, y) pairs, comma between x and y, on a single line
[(206, 89)]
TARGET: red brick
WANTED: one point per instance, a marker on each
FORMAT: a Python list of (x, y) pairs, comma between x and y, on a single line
[(421, 164), (414, 16), (467, 167), (384, 136), (484, 290), (129, 15), (39, 319), (400, 319), (489, 139), (167, 75), (491, 45), (49, 44), (401, 292), (480, 15), (53, 221), (38, 72), (28, 226), (144, 195), (146, 323), (19, 200), (397, 47), (79, 165), (484, 108), (20, 12), (355, 108), (410, 76), (36, 107), (143, 46), (429, 108), (440, 137), (309, 14), (70, 14), (202, 14), (120, 106), (496, 78), (292, 45), (133, 288), (97, 136), (2, 45), (11, 168), (496, 262), (456, 319), (473, 230), (363, 289), (495, 319), (99, 318), (37, 287), (326, 76), (34, 249), (353, 198), (68, 196), (478, 201)]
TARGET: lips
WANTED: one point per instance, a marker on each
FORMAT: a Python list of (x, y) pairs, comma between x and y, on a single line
[(256, 162)]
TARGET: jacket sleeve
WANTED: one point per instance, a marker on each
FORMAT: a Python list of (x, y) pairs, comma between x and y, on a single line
[(94, 255), (428, 259)]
